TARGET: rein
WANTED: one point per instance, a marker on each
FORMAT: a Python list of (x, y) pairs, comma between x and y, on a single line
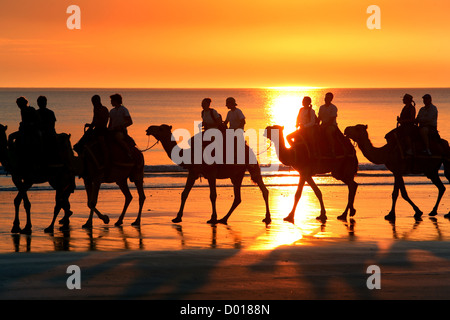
[(148, 142), (271, 142)]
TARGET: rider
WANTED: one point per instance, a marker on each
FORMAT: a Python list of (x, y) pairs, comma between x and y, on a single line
[(427, 120), (327, 120), (306, 122), (47, 128), (99, 124), (406, 121), (210, 117), (101, 116), (119, 120), (30, 121), (235, 117), (236, 120), (47, 117)]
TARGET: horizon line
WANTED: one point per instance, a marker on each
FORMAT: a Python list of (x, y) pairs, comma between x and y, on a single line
[(293, 88)]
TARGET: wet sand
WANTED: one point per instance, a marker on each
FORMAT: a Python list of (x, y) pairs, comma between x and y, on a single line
[(244, 260)]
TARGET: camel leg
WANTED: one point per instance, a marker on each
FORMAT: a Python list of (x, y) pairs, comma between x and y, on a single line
[(61, 202), (184, 195), (399, 185), (27, 206), (391, 215), (65, 205), (213, 198), (88, 187), (438, 183), (16, 223), (140, 189), (128, 197), (56, 210), (237, 183), (318, 193), (267, 219), (92, 190), (405, 196), (22, 190), (95, 192), (68, 190), (352, 187), (298, 194)]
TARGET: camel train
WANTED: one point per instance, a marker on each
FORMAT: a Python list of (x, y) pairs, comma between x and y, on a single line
[(95, 168)]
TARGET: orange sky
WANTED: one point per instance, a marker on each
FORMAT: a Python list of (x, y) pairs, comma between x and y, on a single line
[(234, 43)]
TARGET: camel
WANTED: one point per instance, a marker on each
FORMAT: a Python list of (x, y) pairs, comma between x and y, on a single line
[(212, 172), (391, 155), (59, 175), (342, 168), (120, 169)]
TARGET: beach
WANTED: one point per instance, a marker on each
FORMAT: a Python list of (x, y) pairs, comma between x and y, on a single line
[(244, 260)]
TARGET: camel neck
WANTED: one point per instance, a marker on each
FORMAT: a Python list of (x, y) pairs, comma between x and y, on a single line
[(281, 149), (373, 154), (169, 144)]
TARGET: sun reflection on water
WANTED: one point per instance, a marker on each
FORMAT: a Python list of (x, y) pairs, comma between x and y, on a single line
[(284, 233)]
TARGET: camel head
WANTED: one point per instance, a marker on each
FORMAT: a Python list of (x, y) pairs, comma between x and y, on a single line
[(357, 133), (268, 131), (159, 132)]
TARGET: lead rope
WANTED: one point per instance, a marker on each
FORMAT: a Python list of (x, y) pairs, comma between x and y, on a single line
[(148, 142)]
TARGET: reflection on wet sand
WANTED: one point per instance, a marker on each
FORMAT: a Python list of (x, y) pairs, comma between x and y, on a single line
[(409, 235)]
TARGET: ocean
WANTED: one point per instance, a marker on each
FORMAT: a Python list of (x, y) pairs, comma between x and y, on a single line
[(181, 108)]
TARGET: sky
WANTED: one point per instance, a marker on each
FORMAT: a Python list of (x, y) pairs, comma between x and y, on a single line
[(224, 44)]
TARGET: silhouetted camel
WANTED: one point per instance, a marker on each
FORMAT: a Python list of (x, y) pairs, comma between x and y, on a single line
[(391, 155), (235, 172), (342, 168), (121, 169), (58, 175)]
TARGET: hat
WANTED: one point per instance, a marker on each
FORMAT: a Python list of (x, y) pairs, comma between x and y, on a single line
[(427, 96), (231, 100)]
